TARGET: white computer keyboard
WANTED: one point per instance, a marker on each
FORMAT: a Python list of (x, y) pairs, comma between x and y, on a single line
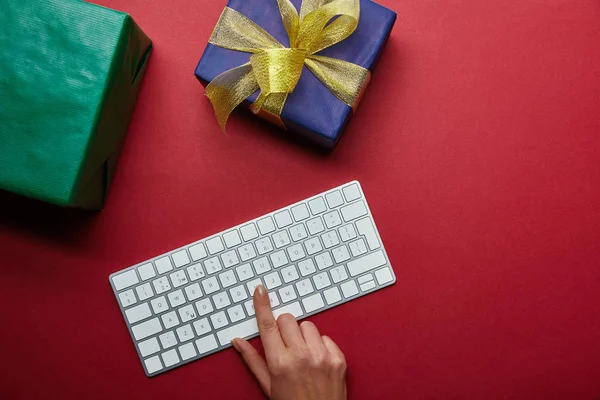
[(313, 255)]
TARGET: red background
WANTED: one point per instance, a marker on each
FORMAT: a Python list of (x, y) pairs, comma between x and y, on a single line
[(478, 147)]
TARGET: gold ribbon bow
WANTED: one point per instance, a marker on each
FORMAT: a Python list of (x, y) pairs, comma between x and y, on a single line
[(275, 69)]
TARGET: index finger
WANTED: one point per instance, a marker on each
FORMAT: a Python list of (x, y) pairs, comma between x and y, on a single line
[(267, 326)]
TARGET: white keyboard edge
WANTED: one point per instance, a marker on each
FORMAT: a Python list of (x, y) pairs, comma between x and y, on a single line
[(254, 220)]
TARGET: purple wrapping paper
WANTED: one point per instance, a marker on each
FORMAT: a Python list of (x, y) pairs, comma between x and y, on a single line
[(311, 110)]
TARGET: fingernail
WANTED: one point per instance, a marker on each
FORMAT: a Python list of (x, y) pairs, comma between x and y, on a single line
[(260, 290), (235, 345)]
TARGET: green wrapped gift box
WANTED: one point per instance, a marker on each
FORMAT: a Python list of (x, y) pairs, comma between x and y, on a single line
[(70, 73)]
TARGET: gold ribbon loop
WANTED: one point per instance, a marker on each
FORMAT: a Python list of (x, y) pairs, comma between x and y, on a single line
[(275, 69)]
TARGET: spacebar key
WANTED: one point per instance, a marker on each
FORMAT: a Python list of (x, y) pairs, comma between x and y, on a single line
[(248, 328), (366, 263), (245, 329)]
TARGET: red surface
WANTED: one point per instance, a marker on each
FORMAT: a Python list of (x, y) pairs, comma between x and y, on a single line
[(478, 147)]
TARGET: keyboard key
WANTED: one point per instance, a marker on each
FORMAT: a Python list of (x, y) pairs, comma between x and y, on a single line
[(324, 260), (198, 251), (281, 239), (292, 308), (315, 226), (313, 303), (330, 239), (236, 313), (313, 245), (148, 347), (365, 227), (307, 267), (298, 232), (384, 275), (178, 278), (193, 292), (206, 344), (334, 199), (125, 280), (184, 333), (213, 265), (221, 300), (218, 320), (332, 219), (195, 272), (215, 245), (366, 263), (180, 258), (161, 285), (332, 295), (187, 351), (351, 192), (279, 259), (341, 254), (204, 307), (367, 286), (127, 298), (146, 272), (230, 259), (159, 305), (241, 330), (163, 265), (210, 285), (261, 265), (252, 285), (272, 280), (176, 298), (349, 289), (296, 252), (153, 364), (232, 239), (365, 278), (263, 245), (144, 291), (289, 274), (227, 279), (266, 225), (247, 252), (170, 320), (201, 326), (273, 299), (170, 358), (300, 212), (238, 293), (358, 247), (287, 294), (146, 329), (321, 280), (347, 232), (187, 313), (244, 272), (304, 287), (317, 206), (283, 219), (338, 274), (354, 210), (249, 305), (138, 313), (249, 232)]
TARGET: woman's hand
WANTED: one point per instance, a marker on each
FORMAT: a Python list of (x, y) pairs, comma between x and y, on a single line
[(300, 363)]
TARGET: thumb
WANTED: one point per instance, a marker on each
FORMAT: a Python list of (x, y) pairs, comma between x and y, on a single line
[(256, 364)]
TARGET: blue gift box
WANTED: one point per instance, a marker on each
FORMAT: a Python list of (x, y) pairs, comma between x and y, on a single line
[(311, 110)]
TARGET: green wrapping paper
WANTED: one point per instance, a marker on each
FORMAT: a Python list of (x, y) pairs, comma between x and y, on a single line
[(70, 74)]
